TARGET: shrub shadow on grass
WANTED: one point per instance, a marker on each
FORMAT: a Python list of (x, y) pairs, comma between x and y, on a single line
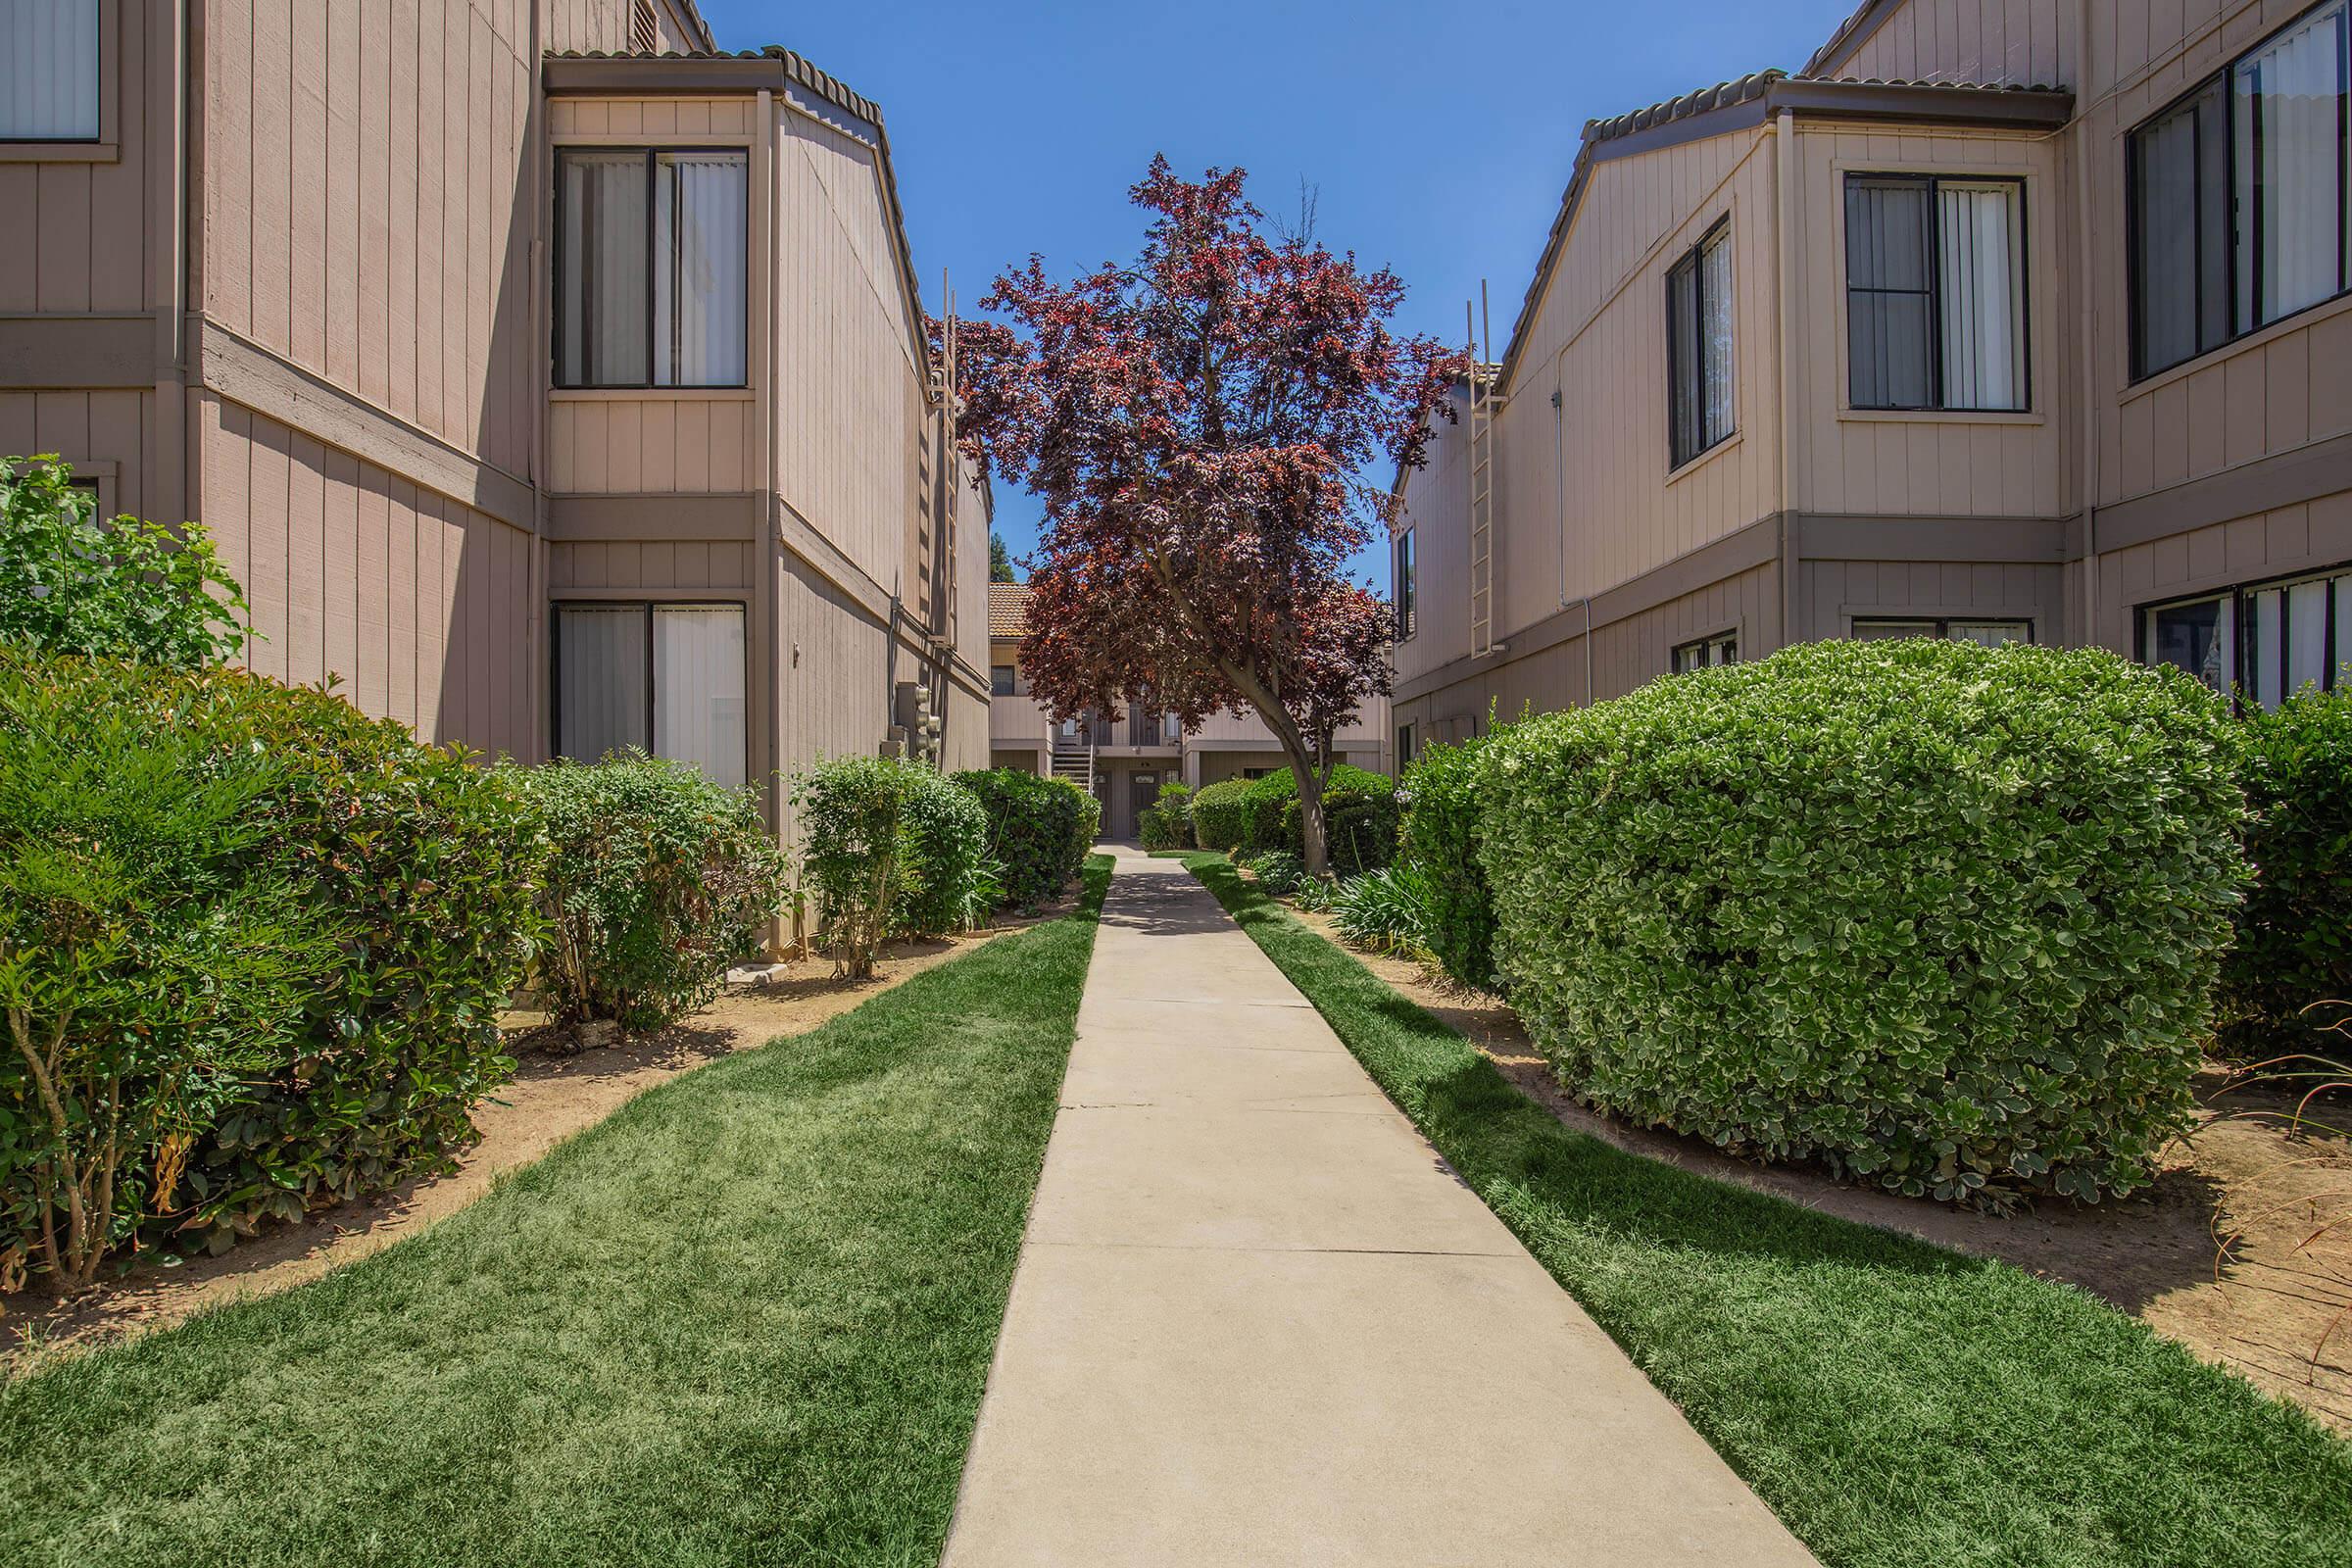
[(1892, 1400)]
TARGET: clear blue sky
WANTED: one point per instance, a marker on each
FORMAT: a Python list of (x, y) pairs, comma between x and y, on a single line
[(1434, 146)]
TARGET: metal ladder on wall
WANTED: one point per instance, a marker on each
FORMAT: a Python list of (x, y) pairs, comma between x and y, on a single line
[(1485, 401)]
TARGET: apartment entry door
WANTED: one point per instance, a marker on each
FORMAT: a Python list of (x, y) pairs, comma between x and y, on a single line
[(1142, 790)]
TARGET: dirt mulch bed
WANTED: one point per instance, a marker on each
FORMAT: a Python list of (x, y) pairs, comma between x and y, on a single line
[(2273, 1310), (553, 1094)]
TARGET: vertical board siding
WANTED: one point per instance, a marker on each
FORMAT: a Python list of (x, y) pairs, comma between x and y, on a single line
[(81, 241), (417, 604), (2013, 42), (1925, 465), (634, 445)]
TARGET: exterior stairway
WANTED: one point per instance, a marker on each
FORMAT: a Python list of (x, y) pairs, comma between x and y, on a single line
[(1074, 755)]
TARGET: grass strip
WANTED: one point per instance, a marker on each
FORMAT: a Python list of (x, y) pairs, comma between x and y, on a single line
[(1892, 1402), (746, 1319)]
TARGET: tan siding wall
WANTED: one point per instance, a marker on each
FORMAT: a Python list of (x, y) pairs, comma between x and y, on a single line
[(680, 565), (79, 240), (2270, 392), (599, 443), (1599, 338), (832, 689), (109, 433), (416, 602), (1893, 465), (1831, 594), (2023, 42), (849, 388)]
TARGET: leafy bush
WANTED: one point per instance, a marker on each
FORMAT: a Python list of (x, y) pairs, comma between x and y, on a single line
[(1317, 894), (1220, 814), (660, 879), (1038, 830), (1388, 909), (1168, 822), (2294, 931), (1352, 798), (270, 935), (1278, 872), (70, 584), (1942, 917), (1441, 839), (950, 884)]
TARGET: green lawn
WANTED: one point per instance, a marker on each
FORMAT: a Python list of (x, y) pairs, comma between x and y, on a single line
[(745, 1320), (1895, 1403)]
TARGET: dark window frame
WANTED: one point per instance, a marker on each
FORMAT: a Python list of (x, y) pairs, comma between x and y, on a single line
[(2133, 141), (1405, 745), (652, 695), (102, 13), (2238, 597), (1943, 623), (1704, 647), (651, 225), (1934, 292), (1012, 680), (1681, 357), (1405, 567)]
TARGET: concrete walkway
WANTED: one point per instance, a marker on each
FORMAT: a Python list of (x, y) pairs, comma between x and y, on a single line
[(1257, 1321)]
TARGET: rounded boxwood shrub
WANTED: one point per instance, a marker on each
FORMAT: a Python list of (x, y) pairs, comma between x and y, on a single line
[(1271, 815), (1038, 831), (660, 879), (1439, 847), (1945, 917), (1221, 815), (284, 929)]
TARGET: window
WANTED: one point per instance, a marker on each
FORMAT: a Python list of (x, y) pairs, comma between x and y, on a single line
[(1706, 652), (665, 678), (2237, 195), (1934, 293), (1992, 634), (1405, 585), (1698, 346), (2269, 641), (49, 69), (1000, 680), (652, 250), (1405, 745)]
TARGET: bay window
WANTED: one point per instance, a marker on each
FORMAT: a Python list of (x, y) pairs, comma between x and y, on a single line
[(2267, 641), (1936, 293), (49, 69), (652, 262), (667, 679), (2237, 194), (1699, 347)]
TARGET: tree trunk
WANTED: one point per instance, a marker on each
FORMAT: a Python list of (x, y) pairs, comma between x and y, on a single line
[(1314, 841)]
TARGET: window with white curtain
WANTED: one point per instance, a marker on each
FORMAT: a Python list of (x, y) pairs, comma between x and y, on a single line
[(2268, 640), (49, 69), (1936, 293), (668, 680), (652, 266), (1699, 347), (2239, 194)]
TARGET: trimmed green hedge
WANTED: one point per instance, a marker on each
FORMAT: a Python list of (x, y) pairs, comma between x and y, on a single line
[(1220, 814), (1038, 830), (1441, 842), (950, 884), (1167, 823), (1942, 917), (660, 879), (2294, 931), (286, 930)]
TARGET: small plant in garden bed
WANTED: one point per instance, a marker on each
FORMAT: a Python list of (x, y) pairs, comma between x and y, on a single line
[(1944, 917), (1166, 824), (660, 880), (1387, 910)]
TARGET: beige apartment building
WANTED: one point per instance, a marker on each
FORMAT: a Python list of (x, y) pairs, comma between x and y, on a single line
[(1999, 319), (1124, 761), (551, 380)]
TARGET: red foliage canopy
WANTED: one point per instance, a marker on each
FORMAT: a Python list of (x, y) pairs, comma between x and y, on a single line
[(1199, 424)]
